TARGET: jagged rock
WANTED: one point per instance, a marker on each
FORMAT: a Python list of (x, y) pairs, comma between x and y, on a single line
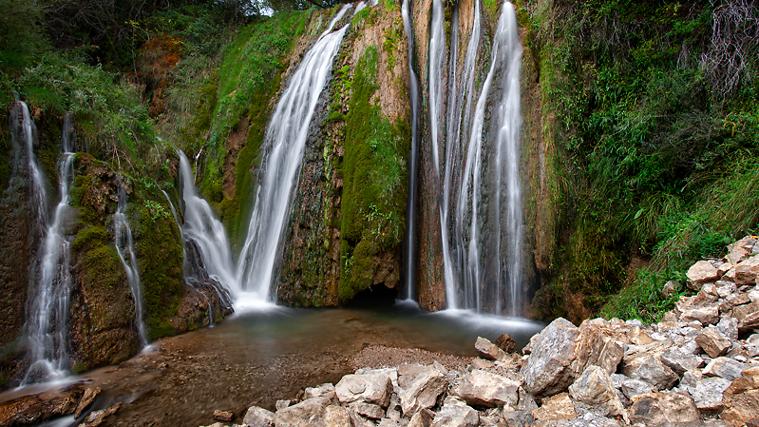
[(713, 342), (728, 326), (740, 250), (705, 314), (480, 363), (370, 388), (700, 273), (368, 410), (632, 387), (707, 394), (309, 412), (553, 350), (594, 388), (747, 271), (422, 418), (597, 344), (96, 418), (555, 408), (506, 343), (258, 417), (336, 416), (738, 298), (282, 404), (326, 390), (724, 367), (741, 400), (649, 368), (456, 414), (90, 394), (681, 361), (487, 349), (420, 386), (747, 316), (664, 409), (482, 388), (725, 289)]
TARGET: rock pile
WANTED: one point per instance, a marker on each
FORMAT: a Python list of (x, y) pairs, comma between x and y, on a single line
[(698, 366)]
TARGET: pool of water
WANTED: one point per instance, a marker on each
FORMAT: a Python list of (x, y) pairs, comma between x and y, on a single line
[(260, 357)]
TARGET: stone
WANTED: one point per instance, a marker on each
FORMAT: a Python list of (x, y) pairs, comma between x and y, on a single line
[(594, 388), (747, 316), (753, 295), (368, 410), (282, 404), (649, 368), (632, 387), (421, 388), (553, 350), (555, 408), (713, 342), (670, 288), (747, 271), (728, 327), (89, 396), (590, 419), (664, 409), (506, 343), (370, 387), (488, 350), (724, 367), (326, 390), (482, 388), (725, 289), (680, 361), (707, 394), (336, 416), (700, 273), (740, 250), (422, 418), (454, 414), (597, 345), (223, 416), (741, 400), (307, 413), (96, 418), (258, 417), (705, 314), (738, 298)]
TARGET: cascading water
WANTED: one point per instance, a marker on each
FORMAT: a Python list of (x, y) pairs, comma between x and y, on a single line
[(47, 318), (284, 143), (410, 258), (125, 249)]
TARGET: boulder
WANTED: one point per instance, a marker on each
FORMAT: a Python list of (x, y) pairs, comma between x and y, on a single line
[(553, 350), (632, 387), (681, 361), (555, 408), (700, 273), (506, 343), (707, 394), (740, 250), (282, 404), (747, 271), (649, 368), (456, 414), (324, 390), (598, 344), (728, 327), (594, 388), (664, 409), (368, 410), (258, 417), (705, 314), (488, 350), (369, 387), (724, 367), (741, 400), (713, 342), (336, 416), (223, 416), (747, 316), (420, 386), (309, 412), (482, 388), (422, 418)]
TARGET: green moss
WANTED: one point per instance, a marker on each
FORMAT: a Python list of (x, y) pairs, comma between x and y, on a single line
[(374, 177)]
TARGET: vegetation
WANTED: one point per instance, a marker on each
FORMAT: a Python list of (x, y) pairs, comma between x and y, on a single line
[(659, 158)]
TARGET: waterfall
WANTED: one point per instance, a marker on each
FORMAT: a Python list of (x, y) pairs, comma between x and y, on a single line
[(47, 316), (410, 258), (125, 249), (284, 145)]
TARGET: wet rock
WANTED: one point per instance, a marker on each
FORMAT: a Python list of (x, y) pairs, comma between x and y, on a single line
[(555, 408), (258, 417), (649, 368), (371, 388), (90, 394), (664, 409), (707, 394), (724, 367), (421, 388), (488, 350), (36, 408), (309, 412), (96, 418), (747, 271), (506, 343), (681, 361), (482, 388), (455, 414), (223, 416), (553, 350), (700, 273), (713, 342), (741, 400), (594, 388), (336, 416)]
